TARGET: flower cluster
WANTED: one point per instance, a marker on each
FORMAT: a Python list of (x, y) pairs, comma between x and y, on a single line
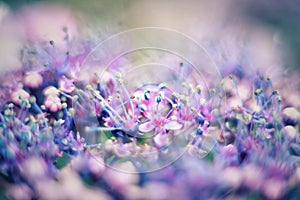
[(58, 131)]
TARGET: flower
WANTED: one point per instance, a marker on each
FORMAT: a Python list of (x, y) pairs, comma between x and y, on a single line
[(53, 103), (33, 79), (51, 91), (161, 140), (273, 188), (18, 95), (160, 124), (229, 151), (133, 126), (66, 85)]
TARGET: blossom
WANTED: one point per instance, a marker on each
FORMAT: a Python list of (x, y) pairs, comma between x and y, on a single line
[(160, 124), (274, 188), (20, 191), (53, 103), (161, 140), (18, 95), (229, 150), (66, 84), (33, 79), (51, 91), (34, 168), (119, 179), (232, 176)]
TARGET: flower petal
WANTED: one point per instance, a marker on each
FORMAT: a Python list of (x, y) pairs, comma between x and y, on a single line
[(51, 91), (161, 140), (146, 127), (173, 125)]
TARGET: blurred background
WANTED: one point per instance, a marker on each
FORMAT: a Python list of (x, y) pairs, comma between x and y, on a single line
[(265, 24), (253, 35)]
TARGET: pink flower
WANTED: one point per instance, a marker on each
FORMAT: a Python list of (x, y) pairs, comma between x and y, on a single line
[(229, 151), (160, 124), (109, 122), (273, 188), (120, 180), (233, 176), (161, 139), (33, 79), (19, 94), (75, 72), (19, 191), (51, 91), (34, 168), (123, 150), (96, 165), (253, 176), (53, 103), (66, 85)]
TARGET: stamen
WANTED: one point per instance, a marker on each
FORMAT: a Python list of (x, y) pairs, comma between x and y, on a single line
[(128, 96), (35, 106), (147, 95), (158, 99), (110, 108), (123, 106)]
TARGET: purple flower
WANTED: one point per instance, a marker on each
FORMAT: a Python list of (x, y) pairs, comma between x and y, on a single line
[(66, 85)]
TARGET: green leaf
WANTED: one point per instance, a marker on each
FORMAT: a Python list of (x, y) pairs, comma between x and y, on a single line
[(254, 196), (62, 161), (110, 159), (141, 140), (209, 157), (103, 136), (3, 194), (298, 127), (121, 160), (107, 134)]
